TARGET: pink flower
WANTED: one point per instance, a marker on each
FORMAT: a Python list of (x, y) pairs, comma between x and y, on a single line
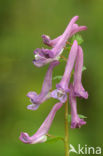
[(45, 92), (76, 122), (40, 135), (44, 56)]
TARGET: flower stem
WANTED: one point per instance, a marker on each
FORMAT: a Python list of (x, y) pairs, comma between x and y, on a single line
[(66, 139), (68, 43), (64, 58)]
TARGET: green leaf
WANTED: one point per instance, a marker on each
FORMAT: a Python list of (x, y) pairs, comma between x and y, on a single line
[(59, 77), (54, 140), (78, 38), (81, 117), (84, 68)]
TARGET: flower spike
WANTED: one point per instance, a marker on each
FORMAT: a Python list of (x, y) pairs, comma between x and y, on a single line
[(62, 88), (75, 55)]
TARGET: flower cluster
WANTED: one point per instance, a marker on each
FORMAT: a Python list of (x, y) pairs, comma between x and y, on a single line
[(64, 87)]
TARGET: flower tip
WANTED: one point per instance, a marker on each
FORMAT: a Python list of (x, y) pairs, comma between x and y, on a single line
[(31, 95), (86, 95), (75, 43), (76, 17), (84, 27), (37, 64), (29, 107), (78, 124), (46, 39), (36, 50), (33, 107), (24, 137), (81, 94)]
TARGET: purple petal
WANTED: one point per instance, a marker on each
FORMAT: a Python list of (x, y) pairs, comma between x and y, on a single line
[(33, 106), (69, 66), (43, 57), (59, 94), (76, 122), (46, 40), (52, 43), (45, 91), (49, 42), (25, 138), (76, 28), (62, 42), (32, 95), (42, 61), (78, 88), (40, 135), (47, 84), (42, 52)]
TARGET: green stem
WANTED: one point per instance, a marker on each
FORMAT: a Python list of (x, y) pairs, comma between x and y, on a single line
[(66, 131)]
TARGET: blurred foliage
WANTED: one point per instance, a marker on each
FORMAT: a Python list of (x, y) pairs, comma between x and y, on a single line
[(78, 38), (22, 23)]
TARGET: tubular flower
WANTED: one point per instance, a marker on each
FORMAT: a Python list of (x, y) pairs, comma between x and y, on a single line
[(52, 43), (40, 135), (45, 92), (76, 122), (75, 55), (47, 40), (62, 87), (78, 88), (44, 56), (59, 94)]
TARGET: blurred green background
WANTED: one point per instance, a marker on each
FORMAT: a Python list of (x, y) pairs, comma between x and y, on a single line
[(22, 22)]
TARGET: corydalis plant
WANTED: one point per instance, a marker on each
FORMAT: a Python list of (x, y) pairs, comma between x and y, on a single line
[(65, 91)]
